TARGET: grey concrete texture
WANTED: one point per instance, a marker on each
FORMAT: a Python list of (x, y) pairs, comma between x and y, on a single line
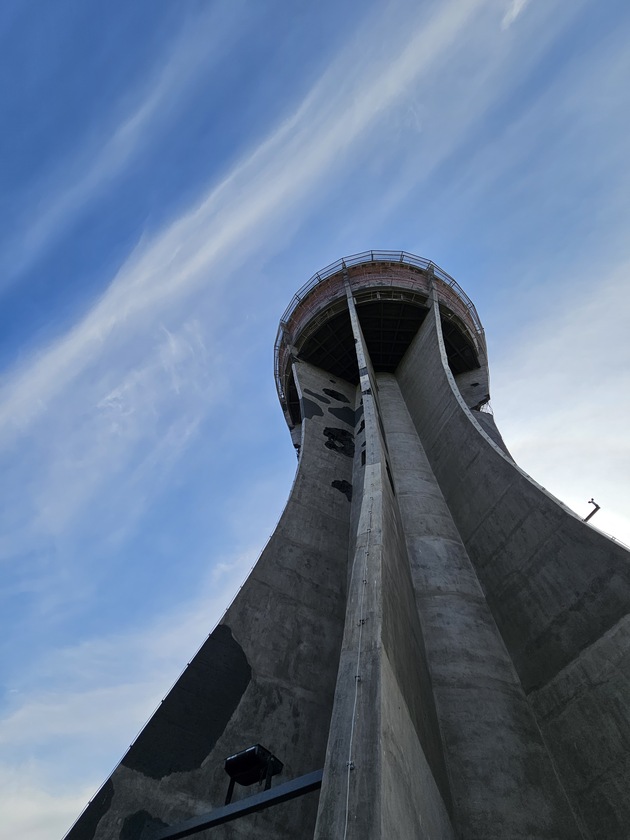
[(384, 775), (286, 626), (360, 458), (502, 779), (352, 740), (584, 713), (558, 590), (389, 791), (474, 386), (486, 421), (513, 528)]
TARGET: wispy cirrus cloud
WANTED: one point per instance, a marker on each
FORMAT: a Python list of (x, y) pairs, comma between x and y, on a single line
[(125, 390), (96, 165), (233, 220), (516, 8), (563, 398), (258, 196)]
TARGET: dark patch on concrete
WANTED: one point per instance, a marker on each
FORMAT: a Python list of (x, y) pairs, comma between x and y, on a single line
[(134, 825), (485, 399), (345, 487), (362, 371), (310, 409), (336, 395), (193, 716), (317, 396), (340, 440), (345, 414), (367, 391), (361, 427), (85, 827), (389, 475)]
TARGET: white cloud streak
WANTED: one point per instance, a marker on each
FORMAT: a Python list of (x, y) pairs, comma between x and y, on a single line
[(98, 401), (235, 216), (193, 52), (563, 399), (516, 8)]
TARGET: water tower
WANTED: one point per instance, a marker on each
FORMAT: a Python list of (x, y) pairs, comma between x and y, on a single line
[(430, 645)]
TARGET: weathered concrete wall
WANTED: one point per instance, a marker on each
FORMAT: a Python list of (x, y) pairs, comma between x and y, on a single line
[(383, 723), (267, 673), (558, 590), (502, 779), (360, 457), (486, 421), (384, 772), (349, 805), (474, 387), (415, 789), (584, 713)]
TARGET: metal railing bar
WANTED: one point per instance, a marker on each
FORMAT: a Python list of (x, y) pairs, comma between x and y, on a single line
[(240, 808), (331, 270)]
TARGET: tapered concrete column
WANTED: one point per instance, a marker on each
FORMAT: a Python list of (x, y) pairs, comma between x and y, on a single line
[(384, 764), (558, 590), (502, 778)]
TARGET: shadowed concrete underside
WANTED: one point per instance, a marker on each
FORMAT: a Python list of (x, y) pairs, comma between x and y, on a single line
[(448, 641)]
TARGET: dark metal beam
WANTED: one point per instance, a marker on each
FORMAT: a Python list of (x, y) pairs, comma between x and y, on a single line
[(240, 808)]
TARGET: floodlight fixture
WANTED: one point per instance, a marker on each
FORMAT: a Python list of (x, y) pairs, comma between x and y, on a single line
[(251, 766)]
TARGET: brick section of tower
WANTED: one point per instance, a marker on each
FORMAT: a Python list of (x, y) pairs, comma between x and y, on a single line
[(447, 640)]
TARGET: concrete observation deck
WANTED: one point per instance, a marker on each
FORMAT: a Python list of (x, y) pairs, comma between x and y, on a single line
[(391, 291)]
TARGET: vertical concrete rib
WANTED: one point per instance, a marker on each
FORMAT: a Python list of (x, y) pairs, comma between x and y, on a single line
[(558, 590), (502, 786), (384, 775)]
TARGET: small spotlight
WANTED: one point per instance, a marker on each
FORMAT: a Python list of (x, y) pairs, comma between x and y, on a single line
[(250, 766)]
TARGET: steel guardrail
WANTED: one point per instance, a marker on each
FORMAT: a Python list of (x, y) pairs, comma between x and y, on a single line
[(362, 258)]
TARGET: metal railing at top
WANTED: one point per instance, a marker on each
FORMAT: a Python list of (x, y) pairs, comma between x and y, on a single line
[(379, 256), (401, 257)]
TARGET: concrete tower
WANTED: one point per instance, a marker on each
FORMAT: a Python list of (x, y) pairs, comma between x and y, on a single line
[(427, 625)]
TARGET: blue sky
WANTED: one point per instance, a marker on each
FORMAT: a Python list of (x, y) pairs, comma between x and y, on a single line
[(171, 173)]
